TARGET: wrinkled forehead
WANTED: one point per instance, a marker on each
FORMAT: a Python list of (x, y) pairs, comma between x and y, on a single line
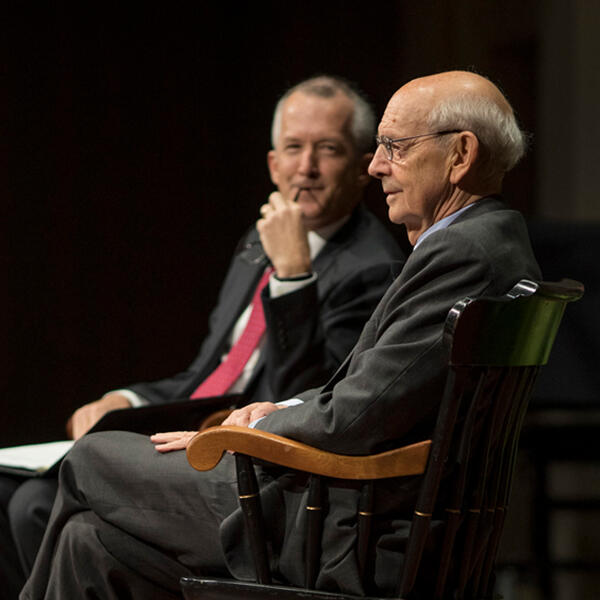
[(406, 113)]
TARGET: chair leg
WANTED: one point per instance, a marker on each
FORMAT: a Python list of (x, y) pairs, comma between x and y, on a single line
[(253, 519), (314, 526), (365, 516)]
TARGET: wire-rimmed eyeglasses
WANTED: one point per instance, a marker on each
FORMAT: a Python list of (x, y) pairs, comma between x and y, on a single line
[(388, 143)]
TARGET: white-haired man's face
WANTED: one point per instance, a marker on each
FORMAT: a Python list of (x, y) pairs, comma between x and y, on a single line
[(416, 179)]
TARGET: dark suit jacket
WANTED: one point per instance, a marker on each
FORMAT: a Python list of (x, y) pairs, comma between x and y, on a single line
[(386, 394), (310, 331)]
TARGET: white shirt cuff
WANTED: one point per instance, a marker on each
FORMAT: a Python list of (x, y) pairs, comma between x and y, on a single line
[(279, 288), (289, 402), (134, 399)]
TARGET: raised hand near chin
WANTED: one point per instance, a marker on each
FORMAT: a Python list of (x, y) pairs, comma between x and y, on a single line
[(284, 236)]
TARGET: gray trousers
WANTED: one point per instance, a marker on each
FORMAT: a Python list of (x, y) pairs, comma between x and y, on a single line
[(11, 573), (128, 522), (25, 506)]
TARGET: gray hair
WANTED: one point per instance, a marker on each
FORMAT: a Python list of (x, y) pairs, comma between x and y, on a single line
[(325, 86), (502, 143)]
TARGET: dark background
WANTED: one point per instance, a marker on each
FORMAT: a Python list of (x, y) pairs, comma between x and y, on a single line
[(134, 143)]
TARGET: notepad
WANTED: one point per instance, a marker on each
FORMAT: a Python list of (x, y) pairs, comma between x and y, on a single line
[(34, 458)]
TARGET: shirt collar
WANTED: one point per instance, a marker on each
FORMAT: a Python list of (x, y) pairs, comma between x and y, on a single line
[(442, 223), (318, 239)]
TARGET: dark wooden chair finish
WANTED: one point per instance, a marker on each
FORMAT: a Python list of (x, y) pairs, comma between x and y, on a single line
[(497, 347)]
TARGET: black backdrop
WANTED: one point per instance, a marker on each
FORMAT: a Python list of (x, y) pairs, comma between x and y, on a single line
[(134, 142)]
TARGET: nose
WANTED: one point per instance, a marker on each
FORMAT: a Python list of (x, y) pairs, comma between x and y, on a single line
[(379, 165), (309, 163)]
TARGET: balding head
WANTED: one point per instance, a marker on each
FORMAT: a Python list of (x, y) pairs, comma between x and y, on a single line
[(446, 140), (470, 102), (442, 86)]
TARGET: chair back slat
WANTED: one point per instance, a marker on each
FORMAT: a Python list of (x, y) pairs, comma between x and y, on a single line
[(428, 491), (522, 325), (496, 348)]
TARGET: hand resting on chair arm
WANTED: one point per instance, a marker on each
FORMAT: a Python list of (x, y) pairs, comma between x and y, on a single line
[(179, 440)]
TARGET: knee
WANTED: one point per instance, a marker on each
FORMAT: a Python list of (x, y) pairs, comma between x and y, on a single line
[(96, 448), (75, 543), (85, 448)]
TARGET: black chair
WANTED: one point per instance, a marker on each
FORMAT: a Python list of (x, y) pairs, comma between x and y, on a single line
[(497, 346)]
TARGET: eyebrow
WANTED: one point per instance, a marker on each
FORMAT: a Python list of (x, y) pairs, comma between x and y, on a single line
[(319, 141)]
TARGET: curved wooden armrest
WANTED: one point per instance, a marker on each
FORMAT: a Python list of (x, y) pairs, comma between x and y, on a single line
[(207, 447)]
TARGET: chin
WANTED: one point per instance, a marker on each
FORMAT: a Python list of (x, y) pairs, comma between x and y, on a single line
[(394, 218), (312, 222)]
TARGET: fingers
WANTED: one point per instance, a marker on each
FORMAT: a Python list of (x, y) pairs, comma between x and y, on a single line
[(278, 202), (235, 418), (172, 440), (171, 446), (85, 417), (82, 420), (275, 203), (168, 436), (242, 417)]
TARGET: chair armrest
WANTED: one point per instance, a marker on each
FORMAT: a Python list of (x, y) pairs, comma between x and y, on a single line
[(207, 447)]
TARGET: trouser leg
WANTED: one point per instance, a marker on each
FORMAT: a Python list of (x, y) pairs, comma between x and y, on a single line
[(156, 499), (89, 565), (11, 574), (28, 511)]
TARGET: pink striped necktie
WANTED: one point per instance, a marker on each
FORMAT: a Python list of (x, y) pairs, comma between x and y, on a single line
[(227, 373)]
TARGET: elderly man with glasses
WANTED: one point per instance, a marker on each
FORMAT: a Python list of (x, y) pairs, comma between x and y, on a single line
[(445, 144)]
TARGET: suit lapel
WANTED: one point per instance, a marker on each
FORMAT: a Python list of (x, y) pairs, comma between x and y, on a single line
[(338, 242), (249, 266)]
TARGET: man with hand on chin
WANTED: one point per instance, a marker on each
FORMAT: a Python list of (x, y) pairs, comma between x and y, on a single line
[(331, 258), (323, 259)]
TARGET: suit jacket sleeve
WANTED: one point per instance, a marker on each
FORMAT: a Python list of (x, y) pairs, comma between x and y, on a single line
[(309, 331), (309, 337), (389, 389)]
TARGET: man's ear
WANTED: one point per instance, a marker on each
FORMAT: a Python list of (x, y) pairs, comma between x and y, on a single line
[(273, 165), (363, 164), (463, 156)]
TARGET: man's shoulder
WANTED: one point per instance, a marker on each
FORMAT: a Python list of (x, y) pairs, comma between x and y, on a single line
[(490, 208), (490, 220), (487, 218), (489, 233)]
